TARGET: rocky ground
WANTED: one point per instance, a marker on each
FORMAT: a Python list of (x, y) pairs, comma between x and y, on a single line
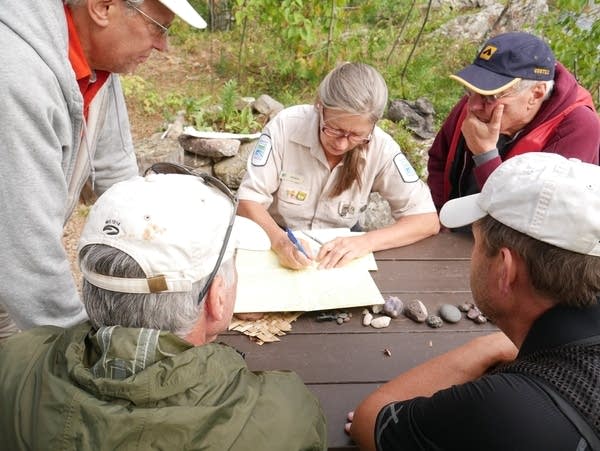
[(71, 234)]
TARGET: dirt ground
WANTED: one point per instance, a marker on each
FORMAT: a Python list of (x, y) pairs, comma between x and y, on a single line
[(176, 73), (71, 234)]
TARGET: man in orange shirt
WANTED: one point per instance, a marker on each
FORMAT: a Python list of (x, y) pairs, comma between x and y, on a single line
[(64, 121)]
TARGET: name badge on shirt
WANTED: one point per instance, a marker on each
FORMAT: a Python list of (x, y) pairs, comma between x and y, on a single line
[(261, 152), (408, 174), (294, 178)]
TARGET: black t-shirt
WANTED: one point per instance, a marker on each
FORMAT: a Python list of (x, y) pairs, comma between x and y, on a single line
[(494, 412)]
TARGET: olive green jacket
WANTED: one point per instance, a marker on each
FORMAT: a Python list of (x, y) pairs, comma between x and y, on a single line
[(142, 389)]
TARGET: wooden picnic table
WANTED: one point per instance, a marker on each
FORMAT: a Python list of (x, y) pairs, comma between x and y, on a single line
[(341, 364)]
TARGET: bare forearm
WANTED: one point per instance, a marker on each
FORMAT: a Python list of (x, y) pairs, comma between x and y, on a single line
[(463, 364), (287, 254), (405, 231), (258, 213)]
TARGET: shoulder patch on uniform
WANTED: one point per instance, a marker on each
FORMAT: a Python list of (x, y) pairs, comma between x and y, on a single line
[(408, 174), (261, 152)]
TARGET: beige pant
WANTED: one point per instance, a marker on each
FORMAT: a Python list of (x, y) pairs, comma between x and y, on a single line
[(7, 325)]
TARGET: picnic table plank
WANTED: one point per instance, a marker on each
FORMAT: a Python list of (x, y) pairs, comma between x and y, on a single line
[(343, 363), (336, 401), (411, 276), (444, 246), (347, 358)]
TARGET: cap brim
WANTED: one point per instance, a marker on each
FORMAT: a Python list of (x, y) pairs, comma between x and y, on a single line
[(185, 12), (461, 211), (483, 81)]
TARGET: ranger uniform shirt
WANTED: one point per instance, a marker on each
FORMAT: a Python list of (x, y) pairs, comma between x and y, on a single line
[(289, 175)]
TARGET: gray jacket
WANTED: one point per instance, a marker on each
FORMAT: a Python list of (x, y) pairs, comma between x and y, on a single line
[(43, 166)]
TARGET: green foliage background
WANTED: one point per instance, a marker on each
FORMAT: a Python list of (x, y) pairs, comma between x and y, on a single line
[(288, 45), (284, 47)]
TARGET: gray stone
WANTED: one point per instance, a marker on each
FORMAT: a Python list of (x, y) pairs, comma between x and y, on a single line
[(434, 321), (155, 149), (466, 306), (393, 306), (480, 319), (200, 164), (175, 129), (460, 4), (244, 102), (450, 313), (377, 308), (416, 311), (381, 322), (423, 106), (473, 313), (210, 147), (588, 17), (416, 117), (378, 213), (231, 171), (267, 105), (492, 18), (472, 26)]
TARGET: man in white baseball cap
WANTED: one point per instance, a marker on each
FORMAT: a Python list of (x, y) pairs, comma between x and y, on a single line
[(535, 272), (157, 256)]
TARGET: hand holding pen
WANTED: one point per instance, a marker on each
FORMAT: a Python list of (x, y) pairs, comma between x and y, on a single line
[(295, 241), (297, 244), (292, 253)]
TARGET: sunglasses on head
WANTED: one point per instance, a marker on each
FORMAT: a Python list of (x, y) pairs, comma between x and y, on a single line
[(174, 168)]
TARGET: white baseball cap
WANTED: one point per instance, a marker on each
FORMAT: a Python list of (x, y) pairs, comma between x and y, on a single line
[(172, 225), (185, 11), (544, 195)]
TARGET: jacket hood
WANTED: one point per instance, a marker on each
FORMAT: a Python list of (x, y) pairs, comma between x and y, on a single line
[(146, 366), (563, 95), (43, 25)]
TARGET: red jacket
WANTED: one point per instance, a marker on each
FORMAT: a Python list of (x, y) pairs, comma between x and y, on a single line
[(574, 134)]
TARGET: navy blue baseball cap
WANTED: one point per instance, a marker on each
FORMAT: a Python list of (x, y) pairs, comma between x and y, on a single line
[(505, 60)]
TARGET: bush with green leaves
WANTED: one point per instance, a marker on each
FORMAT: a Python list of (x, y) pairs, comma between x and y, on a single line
[(226, 116), (284, 48), (575, 40)]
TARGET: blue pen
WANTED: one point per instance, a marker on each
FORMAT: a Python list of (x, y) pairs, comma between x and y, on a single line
[(295, 241)]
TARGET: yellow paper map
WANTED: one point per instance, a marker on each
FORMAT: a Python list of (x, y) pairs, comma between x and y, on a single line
[(265, 286)]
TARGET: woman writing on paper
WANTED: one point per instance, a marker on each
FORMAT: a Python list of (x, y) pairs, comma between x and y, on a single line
[(314, 167)]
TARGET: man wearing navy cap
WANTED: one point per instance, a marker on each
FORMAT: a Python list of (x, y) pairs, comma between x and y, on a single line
[(518, 99)]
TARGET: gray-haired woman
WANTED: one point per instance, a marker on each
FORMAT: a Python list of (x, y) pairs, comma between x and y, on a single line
[(315, 165)]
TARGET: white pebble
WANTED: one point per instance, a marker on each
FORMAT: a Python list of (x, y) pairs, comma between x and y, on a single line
[(380, 322), (377, 308), (367, 319)]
